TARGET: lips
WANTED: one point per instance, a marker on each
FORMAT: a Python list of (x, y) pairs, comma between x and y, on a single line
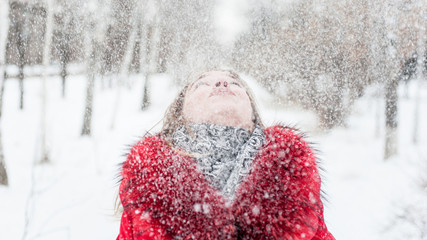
[(221, 93)]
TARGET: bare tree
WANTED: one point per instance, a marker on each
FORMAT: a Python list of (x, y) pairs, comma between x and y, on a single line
[(63, 37), (401, 44), (421, 66), (154, 42), (116, 34), (153, 58), (142, 36), (44, 158), (391, 117), (392, 81), (127, 59), (19, 34), (87, 118), (91, 71), (95, 34), (309, 54), (4, 27), (3, 173), (178, 37)]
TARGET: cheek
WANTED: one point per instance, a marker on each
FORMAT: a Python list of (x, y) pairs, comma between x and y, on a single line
[(247, 108), (194, 98), (244, 98), (193, 103), (245, 105)]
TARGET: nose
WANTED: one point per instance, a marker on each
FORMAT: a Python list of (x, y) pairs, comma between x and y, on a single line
[(218, 84)]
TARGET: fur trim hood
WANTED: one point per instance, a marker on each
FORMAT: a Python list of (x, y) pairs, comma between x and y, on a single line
[(164, 194)]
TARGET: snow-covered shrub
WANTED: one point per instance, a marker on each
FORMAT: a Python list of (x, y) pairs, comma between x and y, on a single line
[(410, 217)]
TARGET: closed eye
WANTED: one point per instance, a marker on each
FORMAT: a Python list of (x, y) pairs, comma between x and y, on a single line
[(200, 83), (236, 83)]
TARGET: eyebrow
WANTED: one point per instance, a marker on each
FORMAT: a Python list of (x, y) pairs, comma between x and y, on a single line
[(233, 75), (201, 76), (190, 87)]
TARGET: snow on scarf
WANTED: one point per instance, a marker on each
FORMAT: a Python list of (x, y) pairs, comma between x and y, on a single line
[(224, 153)]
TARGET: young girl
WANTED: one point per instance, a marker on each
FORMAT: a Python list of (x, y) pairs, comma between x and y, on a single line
[(215, 172)]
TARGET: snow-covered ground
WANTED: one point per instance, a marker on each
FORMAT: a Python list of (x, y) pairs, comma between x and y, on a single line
[(73, 197)]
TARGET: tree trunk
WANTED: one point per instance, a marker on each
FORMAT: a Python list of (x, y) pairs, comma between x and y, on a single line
[(2, 83), (153, 64), (44, 158), (146, 97), (154, 42), (64, 56), (3, 173), (21, 44), (392, 80), (95, 35), (378, 112), (63, 76), (127, 60), (417, 110), (143, 68), (391, 101), (87, 119), (420, 68), (4, 29)]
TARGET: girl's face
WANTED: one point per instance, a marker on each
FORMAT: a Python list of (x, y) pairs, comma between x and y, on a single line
[(219, 98)]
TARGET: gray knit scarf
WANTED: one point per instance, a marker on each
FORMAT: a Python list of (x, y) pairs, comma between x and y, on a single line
[(224, 154)]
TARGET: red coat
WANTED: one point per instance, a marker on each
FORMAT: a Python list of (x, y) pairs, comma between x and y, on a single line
[(164, 196)]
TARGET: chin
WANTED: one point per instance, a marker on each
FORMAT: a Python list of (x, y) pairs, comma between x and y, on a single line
[(224, 110), (233, 123), (229, 117)]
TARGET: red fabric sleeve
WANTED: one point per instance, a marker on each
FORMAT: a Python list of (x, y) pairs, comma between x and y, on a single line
[(282, 200), (126, 228), (138, 226), (136, 222), (167, 196)]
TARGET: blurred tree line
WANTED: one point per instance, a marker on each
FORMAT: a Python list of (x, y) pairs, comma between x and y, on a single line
[(319, 54), (323, 54)]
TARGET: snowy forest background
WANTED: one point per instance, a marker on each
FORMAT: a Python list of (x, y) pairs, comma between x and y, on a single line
[(82, 80)]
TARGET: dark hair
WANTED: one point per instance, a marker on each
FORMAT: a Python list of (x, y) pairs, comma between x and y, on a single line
[(174, 117)]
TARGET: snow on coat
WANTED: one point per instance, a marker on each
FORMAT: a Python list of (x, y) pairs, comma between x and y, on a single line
[(165, 196)]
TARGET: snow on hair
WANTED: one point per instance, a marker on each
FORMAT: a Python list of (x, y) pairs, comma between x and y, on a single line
[(174, 117)]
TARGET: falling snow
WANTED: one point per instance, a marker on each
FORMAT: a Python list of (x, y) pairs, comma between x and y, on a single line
[(82, 81)]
